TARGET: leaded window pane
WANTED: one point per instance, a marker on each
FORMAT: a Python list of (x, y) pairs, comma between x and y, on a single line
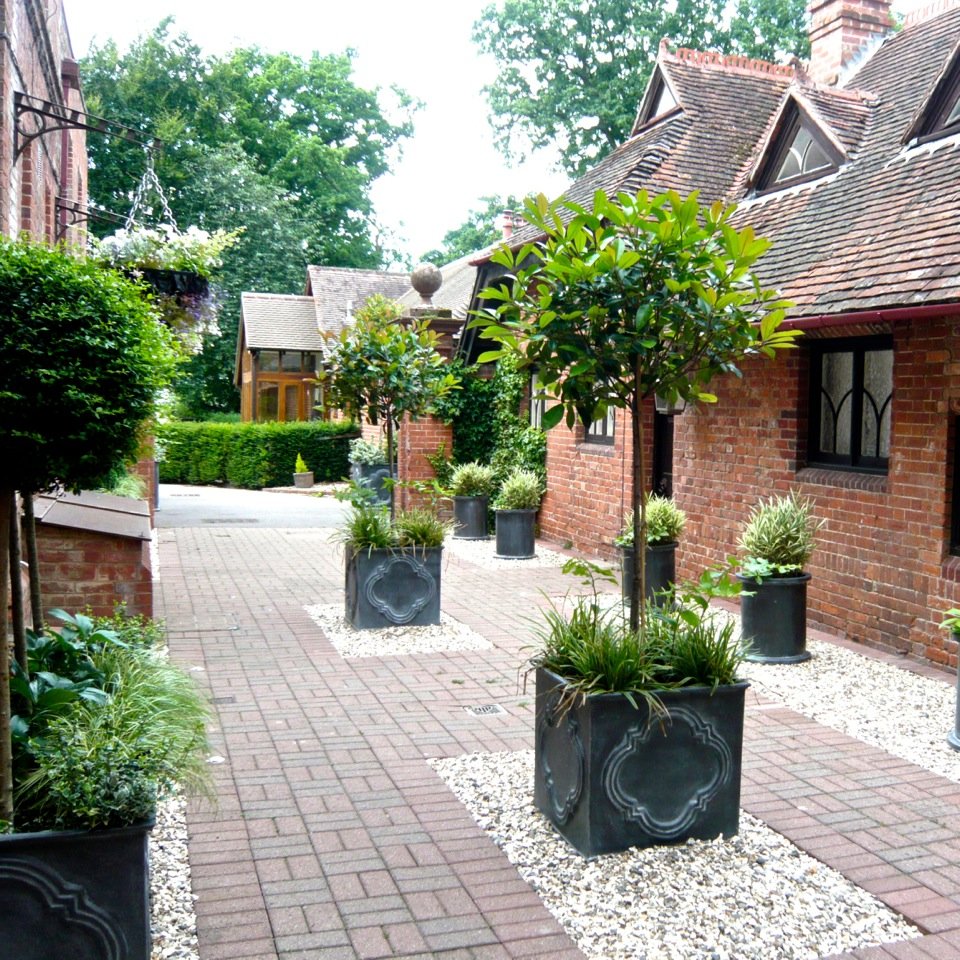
[(836, 391), (877, 391)]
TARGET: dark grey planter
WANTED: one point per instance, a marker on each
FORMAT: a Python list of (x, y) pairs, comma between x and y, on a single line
[(661, 570), (608, 778), (515, 534), (953, 737), (303, 480), (373, 476), (470, 518), (75, 893), (392, 588), (773, 617)]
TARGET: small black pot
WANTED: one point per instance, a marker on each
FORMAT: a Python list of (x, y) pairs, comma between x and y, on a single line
[(470, 518), (515, 534), (610, 777), (661, 570), (82, 894), (773, 617), (372, 475), (392, 588)]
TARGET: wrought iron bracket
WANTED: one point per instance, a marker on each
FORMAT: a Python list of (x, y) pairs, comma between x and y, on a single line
[(76, 213), (47, 117)]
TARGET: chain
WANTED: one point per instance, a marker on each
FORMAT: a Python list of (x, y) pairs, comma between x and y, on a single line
[(149, 181)]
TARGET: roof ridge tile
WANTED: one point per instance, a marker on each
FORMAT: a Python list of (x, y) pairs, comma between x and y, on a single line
[(733, 61)]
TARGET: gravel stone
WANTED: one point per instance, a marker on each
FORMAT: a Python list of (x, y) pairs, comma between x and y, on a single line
[(752, 897), (172, 916), (448, 636), (481, 554)]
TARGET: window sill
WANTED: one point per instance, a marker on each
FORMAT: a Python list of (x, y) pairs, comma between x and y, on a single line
[(845, 479)]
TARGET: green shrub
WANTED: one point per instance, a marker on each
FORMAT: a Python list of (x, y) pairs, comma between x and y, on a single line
[(779, 536), (251, 455), (301, 465), (521, 490), (419, 528), (472, 480), (366, 452), (665, 523)]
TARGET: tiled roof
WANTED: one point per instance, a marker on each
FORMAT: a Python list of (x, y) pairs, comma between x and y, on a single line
[(454, 294), (273, 321), (884, 231), (338, 291)]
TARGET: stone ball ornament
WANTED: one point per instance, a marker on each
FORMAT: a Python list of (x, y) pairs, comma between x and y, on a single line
[(426, 280)]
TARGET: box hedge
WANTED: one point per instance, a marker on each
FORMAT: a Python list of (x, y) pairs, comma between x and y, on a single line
[(252, 455)]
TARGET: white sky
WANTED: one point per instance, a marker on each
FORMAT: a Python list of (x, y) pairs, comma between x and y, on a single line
[(423, 46)]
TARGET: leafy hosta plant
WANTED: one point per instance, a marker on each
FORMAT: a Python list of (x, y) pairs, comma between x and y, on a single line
[(779, 537), (472, 480), (665, 523)]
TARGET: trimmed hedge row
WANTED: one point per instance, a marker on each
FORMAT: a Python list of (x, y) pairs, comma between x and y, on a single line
[(252, 455)]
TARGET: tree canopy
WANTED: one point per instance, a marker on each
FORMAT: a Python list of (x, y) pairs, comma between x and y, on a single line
[(283, 146), (572, 73), (630, 298)]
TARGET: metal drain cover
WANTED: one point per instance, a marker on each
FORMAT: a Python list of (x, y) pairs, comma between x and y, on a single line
[(485, 709)]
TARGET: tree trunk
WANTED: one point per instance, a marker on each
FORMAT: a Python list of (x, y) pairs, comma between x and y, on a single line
[(33, 561), (638, 589), (393, 479), (16, 588), (6, 748)]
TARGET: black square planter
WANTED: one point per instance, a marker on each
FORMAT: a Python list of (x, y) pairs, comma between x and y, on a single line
[(82, 894), (393, 588), (608, 778), (373, 475)]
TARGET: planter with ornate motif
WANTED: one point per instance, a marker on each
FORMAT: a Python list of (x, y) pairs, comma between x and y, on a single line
[(393, 587)]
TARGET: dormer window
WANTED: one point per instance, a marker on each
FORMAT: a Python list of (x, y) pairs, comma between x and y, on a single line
[(658, 101), (940, 116), (798, 153)]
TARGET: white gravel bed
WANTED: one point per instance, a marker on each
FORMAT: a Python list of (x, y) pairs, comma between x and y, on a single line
[(172, 916), (880, 703), (446, 637), (481, 554), (752, 897)]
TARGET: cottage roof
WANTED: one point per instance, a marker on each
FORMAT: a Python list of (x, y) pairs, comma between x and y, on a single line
[(273, 321), (338, 291)]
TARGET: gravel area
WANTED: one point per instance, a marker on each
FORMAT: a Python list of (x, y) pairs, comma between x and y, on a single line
[(901, 712), (448, 636), (481, 554), (752, 897), (172, 914)]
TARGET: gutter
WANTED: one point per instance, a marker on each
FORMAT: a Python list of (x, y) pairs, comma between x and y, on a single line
[(884, 315)]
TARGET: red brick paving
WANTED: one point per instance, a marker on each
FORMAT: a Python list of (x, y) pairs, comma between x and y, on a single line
[(333, 838)]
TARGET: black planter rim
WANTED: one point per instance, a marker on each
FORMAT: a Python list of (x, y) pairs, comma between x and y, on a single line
[(760, 658), (773, 581), (478, 496), (659, 692), (131, 829), (415, 549), (656, 547), (525, 510)]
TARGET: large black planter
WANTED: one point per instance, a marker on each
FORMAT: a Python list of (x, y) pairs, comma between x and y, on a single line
[(773, 617), (609, 778), (372, 475), (470, 518), (82, 895), (661, 570), (515, 534), (392, 588)]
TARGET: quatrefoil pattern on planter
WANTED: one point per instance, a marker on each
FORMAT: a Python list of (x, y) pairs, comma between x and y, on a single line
[(560, 741), (397, 607)]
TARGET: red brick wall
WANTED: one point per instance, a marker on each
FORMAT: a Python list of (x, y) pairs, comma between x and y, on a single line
[(417, 439), (882, 573), (80, 569)]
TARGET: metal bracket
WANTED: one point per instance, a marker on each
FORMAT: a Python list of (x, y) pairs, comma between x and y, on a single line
[(75, 213), (49, 117)]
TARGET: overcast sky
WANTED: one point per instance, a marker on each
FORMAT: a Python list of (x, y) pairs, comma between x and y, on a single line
[(423, 46)]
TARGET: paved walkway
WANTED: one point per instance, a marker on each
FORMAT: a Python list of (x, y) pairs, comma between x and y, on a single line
[(334, 839)]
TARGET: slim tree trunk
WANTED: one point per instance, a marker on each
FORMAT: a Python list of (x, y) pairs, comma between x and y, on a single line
[(393, 495), (638, 589), (30, 536), (16, 588), (6, 748)]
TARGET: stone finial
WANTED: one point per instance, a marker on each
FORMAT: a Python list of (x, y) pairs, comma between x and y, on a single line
[(426, 280)]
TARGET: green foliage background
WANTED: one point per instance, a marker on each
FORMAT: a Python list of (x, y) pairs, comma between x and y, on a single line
[(252, 455)]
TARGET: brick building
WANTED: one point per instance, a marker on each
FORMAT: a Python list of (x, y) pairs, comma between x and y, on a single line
[(850, 166), (43, 166)]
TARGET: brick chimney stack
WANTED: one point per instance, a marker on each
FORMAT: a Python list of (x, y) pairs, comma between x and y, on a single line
[(839, 29)]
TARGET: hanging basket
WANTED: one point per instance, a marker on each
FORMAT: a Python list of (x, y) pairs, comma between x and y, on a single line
[(179, 284)]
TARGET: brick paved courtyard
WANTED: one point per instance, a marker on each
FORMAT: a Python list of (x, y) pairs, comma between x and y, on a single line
[(334, 839)]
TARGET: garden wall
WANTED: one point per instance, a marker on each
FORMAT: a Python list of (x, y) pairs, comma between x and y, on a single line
[(883, 572)]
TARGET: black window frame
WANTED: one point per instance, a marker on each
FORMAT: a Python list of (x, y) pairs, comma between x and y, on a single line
[(602, 431), (856, 461), (941, 105), (793, 119)]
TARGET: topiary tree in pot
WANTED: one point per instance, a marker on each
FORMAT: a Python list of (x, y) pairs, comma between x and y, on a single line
[(470, 486), (384, 370), (777, 541), (82, 359), (627, 299), (665, 523), (516, 511)]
